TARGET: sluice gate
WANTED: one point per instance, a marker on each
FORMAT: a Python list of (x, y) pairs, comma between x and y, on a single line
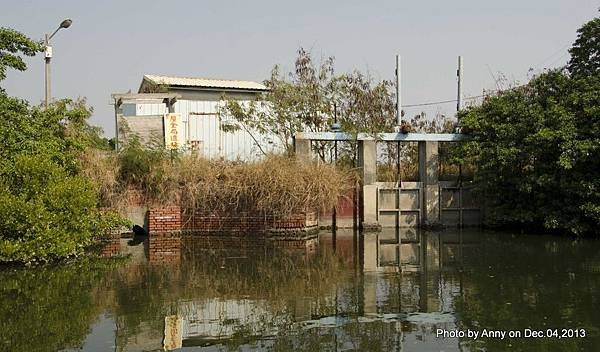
[(427, 202)]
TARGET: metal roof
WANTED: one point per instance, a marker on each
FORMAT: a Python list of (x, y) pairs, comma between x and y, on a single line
[(205, 82)]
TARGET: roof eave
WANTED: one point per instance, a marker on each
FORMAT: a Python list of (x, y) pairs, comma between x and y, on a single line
[(210, 88)]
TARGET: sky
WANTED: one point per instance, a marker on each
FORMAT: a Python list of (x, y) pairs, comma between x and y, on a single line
[(112, 44)]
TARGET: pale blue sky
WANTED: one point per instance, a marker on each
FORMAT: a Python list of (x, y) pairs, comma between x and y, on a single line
[(111, 44)]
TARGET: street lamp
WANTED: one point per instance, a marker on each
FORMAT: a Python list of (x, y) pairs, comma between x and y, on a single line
[(48, 55)]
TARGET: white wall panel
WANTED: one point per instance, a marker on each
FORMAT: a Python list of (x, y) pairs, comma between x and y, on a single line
[(201, 123)]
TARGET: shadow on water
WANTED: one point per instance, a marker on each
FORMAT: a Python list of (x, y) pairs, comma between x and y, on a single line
[(386, 291)]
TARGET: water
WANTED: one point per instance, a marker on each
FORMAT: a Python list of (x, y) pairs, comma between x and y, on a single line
[(364, 293)]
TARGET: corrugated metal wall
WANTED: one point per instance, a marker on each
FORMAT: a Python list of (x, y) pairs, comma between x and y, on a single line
[(201, 123)]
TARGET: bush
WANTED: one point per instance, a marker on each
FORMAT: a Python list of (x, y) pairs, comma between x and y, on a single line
[(537, 152), (47, 209), (276, 184), (537, 146)]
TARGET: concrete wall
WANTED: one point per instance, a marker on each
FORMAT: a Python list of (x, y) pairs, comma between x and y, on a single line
[(148, 128)]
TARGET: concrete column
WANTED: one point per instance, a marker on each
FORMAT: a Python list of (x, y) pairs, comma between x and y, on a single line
[(302, 149), (367, 159), (429, 165), (170, 104), (369, 219)]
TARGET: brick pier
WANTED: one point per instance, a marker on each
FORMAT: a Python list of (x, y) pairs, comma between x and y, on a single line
[(164, 235)]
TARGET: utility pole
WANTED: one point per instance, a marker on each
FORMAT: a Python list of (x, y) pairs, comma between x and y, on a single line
[(398, 117), (398, 97), (459, 75), (47, 57)]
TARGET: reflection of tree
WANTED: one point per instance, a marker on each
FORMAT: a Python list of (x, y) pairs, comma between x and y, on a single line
[(47, 309), (531, 283)]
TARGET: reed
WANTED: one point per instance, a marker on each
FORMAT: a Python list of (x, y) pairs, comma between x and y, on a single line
[(273, 185)]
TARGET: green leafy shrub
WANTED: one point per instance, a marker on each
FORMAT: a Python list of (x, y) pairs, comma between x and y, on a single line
[(47, 210), (537, 147)]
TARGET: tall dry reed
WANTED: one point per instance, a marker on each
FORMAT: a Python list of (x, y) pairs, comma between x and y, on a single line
[(274, 185)]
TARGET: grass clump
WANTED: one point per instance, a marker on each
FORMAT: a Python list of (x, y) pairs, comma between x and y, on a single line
[(274, 185)]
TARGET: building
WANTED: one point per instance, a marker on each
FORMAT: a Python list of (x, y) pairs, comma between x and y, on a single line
[(195, 124)]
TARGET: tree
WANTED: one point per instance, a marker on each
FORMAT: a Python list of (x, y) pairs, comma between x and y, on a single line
[(12, 45), (47, 209), (309, 99), (585, 52), (537, 148)]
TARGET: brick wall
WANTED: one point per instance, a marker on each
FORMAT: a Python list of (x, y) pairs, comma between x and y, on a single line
[(197, 221), (165, 219), (164, 234), (111, 244), (211, 231)]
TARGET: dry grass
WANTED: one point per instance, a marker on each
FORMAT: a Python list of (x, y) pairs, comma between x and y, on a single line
[(101, 168), (275, 185)]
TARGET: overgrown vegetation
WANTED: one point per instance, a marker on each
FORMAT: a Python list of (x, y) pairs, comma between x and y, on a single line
[(47, 208), (311, 98), (537, 146), (276, 184)]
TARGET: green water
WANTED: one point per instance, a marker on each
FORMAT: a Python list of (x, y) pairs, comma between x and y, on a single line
[(372, 292)]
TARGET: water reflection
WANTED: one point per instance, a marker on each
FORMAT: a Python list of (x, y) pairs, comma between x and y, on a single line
[(387, 291)]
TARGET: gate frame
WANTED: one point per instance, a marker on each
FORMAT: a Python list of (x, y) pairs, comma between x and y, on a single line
[(367, 156)]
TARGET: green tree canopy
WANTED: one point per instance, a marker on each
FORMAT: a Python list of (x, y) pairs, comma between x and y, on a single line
[(310, 97), (537, 146), (12, 45), (585, 52), (47, 210)]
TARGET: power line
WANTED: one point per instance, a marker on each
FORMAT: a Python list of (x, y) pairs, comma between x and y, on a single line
[(554, 54), (447, 101), (492, 91)]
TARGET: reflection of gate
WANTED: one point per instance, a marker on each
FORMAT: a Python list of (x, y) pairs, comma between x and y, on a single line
[(399, 207)]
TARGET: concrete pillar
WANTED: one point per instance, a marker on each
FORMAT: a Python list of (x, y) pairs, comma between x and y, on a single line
[(302, 149), (429, 165), (367, 160), (370, 294), (170, 104), (369, 207)]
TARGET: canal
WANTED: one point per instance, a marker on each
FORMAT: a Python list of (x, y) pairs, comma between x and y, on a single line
[(397, 290)]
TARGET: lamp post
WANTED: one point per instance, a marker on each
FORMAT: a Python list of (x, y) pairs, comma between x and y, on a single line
[(48, 56)]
